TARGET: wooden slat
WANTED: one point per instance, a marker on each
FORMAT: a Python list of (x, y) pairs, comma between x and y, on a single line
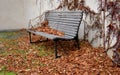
[(63, 24), (71, 28), (72, 35), (67, 31), (68, 28), (65, 16), (64, 21)]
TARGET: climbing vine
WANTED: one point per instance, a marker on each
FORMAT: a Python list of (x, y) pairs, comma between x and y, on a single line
[(104, 24), (111, 11)]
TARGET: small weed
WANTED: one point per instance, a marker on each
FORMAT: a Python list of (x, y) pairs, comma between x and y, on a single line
[(43, 51), (4, 72), (11, 34), (20, 51), (38, 63), (42, 64), (7, 73)]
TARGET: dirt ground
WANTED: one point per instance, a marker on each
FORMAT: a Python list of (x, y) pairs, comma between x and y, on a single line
[(19, 56)]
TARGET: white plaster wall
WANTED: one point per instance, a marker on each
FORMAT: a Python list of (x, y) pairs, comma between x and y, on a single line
[(11, 14), (31, 10), (93, 4), (48, 5), (15, 14)]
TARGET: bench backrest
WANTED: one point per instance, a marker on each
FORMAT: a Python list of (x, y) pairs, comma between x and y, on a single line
[(65, 21)]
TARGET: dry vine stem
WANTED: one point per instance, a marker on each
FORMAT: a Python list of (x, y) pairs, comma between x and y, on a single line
[(112, 9), (111, 12)]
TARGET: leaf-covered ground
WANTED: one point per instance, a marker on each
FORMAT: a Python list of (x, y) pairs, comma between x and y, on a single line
[(19, 56)]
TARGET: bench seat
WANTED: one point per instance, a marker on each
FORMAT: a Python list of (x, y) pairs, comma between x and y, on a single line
[(51, 36)]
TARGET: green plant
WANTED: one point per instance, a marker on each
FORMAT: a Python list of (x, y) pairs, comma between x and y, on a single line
[(4, 72)]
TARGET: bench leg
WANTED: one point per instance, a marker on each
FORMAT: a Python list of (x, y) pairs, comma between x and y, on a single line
[(77, 41), (30, 37), (55, 49)]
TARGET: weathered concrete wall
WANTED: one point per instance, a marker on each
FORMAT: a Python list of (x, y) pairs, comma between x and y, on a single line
[(31, 10), (15, 14), (11, 14)]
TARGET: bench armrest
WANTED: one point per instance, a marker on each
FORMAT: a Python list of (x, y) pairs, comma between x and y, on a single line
[(36, 21)]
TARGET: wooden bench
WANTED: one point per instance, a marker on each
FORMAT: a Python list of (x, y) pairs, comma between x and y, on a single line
[(64, 21)]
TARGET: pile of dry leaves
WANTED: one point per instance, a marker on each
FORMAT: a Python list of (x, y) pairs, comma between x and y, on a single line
[(26, 59), (45, 28)]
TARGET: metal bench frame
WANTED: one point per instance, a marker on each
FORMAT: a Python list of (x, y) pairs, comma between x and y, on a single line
[(57, 38)]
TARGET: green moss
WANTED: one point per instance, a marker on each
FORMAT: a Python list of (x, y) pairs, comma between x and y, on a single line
[(4, 72), (7, 73), (42, 64), (43, 51), (12, 34)]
